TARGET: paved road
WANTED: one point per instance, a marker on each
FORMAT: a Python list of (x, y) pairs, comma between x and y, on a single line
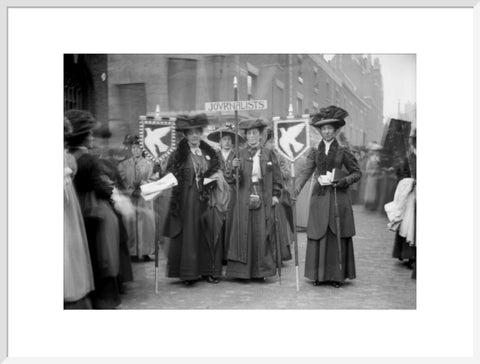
[(382, 282)]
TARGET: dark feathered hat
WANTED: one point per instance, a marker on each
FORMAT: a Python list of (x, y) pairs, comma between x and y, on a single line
[(184, 122), (82, 122), (252, 124), (131, 140), (216, 135), (333, 115)]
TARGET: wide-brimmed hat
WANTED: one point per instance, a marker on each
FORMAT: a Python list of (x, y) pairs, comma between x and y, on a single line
[(216, 135), (82, 122), (185, 122), (332, 115), (252, 124), (374, 146)]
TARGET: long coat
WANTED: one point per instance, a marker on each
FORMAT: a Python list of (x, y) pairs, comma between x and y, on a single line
[(189, 254), (271, 185), (101, 226), (322, 206), (229, 175)]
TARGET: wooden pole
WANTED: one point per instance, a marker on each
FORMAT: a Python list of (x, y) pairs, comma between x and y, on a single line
[(294, 210), (277, 244), (237, 155)]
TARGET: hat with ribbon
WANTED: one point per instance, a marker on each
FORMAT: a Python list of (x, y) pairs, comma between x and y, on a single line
[(216, 135), (252, 124), (332, 115), (185, 122)]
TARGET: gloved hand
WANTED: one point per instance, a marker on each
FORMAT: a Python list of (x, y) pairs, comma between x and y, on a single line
[(341, 183)]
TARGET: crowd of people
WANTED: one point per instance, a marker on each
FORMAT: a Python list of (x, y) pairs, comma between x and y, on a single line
[(228, 214)]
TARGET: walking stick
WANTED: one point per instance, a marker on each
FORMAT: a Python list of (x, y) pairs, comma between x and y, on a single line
[(277, 244), (237, 182), (337, 223), (294, 209)]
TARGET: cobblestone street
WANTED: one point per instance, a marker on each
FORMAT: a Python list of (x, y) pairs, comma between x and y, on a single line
[(382, 282)]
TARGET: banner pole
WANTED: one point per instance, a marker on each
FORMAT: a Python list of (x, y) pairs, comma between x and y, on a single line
[(237, 155), (294, 210)]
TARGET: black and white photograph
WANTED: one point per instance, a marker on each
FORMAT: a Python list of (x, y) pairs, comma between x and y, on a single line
[(240, 181)]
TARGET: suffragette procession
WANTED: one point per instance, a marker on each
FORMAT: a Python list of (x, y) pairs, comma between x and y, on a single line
[(224, 199)]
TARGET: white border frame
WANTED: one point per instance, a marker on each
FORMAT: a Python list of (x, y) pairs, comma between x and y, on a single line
[(90, 3)]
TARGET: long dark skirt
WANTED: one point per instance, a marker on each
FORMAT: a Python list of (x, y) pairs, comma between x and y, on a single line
[(189, 255), (403, 250), (321, 262), (227, 227), (260, 259)]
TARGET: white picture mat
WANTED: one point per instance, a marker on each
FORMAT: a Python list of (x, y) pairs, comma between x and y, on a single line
[(443, 322)]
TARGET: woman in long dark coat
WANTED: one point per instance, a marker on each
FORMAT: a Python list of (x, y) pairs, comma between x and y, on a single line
[(322, 256), (190, 256), (252, 256), (226, 138)]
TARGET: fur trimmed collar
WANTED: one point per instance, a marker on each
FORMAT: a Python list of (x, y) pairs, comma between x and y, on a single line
[(176, 164), (326, 162)]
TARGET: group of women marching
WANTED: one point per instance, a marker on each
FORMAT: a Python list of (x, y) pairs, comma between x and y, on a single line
[(228, 212), (210, 225)]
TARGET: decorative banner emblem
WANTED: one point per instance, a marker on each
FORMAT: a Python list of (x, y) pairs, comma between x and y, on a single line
[(292, 137), (157, 137)]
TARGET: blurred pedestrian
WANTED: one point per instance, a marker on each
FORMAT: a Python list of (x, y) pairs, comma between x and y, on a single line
[(136, 171), (322, 263), (94, 189), (372, 169), (189, 255), (405, 245), (250, 254), (78, 276)]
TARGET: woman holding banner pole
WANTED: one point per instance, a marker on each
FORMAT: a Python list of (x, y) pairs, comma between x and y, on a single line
[(251, 256), (330, 227)]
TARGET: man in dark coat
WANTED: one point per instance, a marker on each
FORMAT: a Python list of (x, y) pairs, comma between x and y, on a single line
[(322, 257)]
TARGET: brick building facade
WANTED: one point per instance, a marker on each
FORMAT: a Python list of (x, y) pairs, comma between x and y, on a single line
[(117, 88)]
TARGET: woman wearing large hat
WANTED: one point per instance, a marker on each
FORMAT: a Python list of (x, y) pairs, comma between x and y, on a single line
[(322, 256), (77, 267), (225, 137), (250, 256), (189, 255), (94, 189)]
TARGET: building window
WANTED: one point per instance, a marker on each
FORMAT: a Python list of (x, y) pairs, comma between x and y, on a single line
[(182, 84), (299, 105), (299, 69), (72, 96), (278, 109), (251, 85)]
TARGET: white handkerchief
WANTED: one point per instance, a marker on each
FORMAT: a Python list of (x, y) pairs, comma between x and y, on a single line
[(325, 179)]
